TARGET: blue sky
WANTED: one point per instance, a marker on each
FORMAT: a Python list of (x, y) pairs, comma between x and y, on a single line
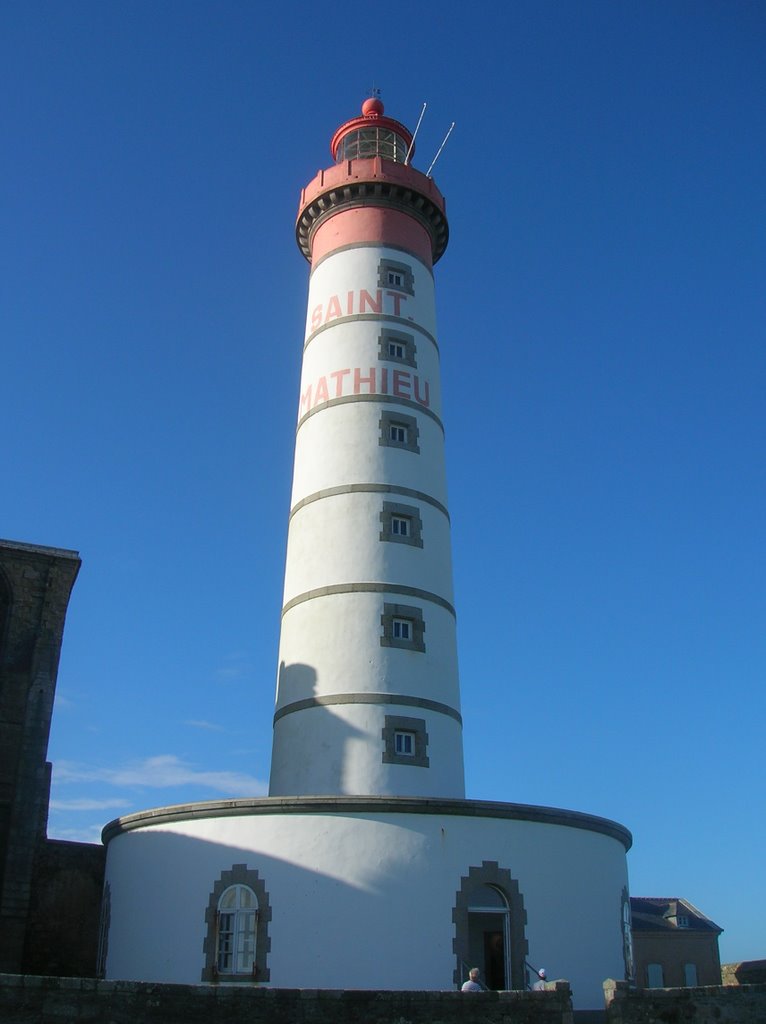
[(601, 321)]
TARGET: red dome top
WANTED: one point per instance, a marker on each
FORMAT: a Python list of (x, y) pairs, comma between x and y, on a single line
[(373, 107)]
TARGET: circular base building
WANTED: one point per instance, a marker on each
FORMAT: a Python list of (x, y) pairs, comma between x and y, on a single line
[(366, 892)]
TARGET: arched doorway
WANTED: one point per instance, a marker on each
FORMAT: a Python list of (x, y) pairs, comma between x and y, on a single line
[(490, 919), (489, 936)]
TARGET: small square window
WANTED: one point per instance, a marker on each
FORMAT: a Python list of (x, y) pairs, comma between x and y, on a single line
[(398, 431), (404, 744), (402, 629), (397, 347), (401, 526), (395, 274), (405, 741)]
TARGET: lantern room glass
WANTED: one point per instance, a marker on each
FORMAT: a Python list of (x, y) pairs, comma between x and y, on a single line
[(367, 142)]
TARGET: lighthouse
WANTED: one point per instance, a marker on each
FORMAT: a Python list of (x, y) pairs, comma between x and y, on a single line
[(367, 696), (367, 866)]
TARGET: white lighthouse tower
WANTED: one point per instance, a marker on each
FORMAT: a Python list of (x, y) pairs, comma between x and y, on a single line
[(368, 698), (366, 866)]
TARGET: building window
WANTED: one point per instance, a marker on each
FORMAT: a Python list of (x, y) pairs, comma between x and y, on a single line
[(397, 431), (396, 275), (397, 347), (237, 942), (403, 627), (405, 741), (654, 976), (404, 744), (401, 524), (237, 915), (682, 921), (627, 936), (690, 975)]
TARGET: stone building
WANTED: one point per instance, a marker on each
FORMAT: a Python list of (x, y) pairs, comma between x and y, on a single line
[(49, 890), (674, 944)]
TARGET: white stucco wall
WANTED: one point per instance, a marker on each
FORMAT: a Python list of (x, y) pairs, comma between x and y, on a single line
[(334, 645), (365, 900)]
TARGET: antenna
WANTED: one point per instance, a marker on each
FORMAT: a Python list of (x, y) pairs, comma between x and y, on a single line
[(412, 144), (438, 151)]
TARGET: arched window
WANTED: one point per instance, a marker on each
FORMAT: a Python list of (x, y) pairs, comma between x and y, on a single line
[(237, 915), (237, 943), (627, 936)]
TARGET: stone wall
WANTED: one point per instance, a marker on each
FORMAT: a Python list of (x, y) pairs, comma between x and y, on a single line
[(744, 972), (27, 999), (35, 584), (63, 917), (716, 1004)]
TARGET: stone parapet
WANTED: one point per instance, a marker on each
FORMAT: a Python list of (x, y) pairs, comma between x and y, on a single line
[(29, 999), (714, 1004)]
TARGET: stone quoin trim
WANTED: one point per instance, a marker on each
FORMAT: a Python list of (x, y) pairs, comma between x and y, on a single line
[(403, 271), (477, 809), (416, 726), (378, 318), (104, 921), (408, 613), (411, 514), (407, 341), (388, 246), (498, 878), (367, 588), (411, 432), (239, 874), (626, 930), (390, 699), (408, 403), (331, 492)]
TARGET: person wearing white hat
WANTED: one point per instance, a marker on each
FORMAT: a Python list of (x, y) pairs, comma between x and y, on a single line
[(539, 985)]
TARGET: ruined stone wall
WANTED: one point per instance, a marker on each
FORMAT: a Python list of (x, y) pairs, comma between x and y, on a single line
[(63, 916), (744, 972), (35, 584)]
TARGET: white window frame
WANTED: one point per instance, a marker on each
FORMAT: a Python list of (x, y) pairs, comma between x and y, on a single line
[(401, 629), (236, 932), (397, 432), (404, 743), (401, 526)]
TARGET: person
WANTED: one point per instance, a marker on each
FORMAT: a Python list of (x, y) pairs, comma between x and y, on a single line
[(539, 985), (472, 985)]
